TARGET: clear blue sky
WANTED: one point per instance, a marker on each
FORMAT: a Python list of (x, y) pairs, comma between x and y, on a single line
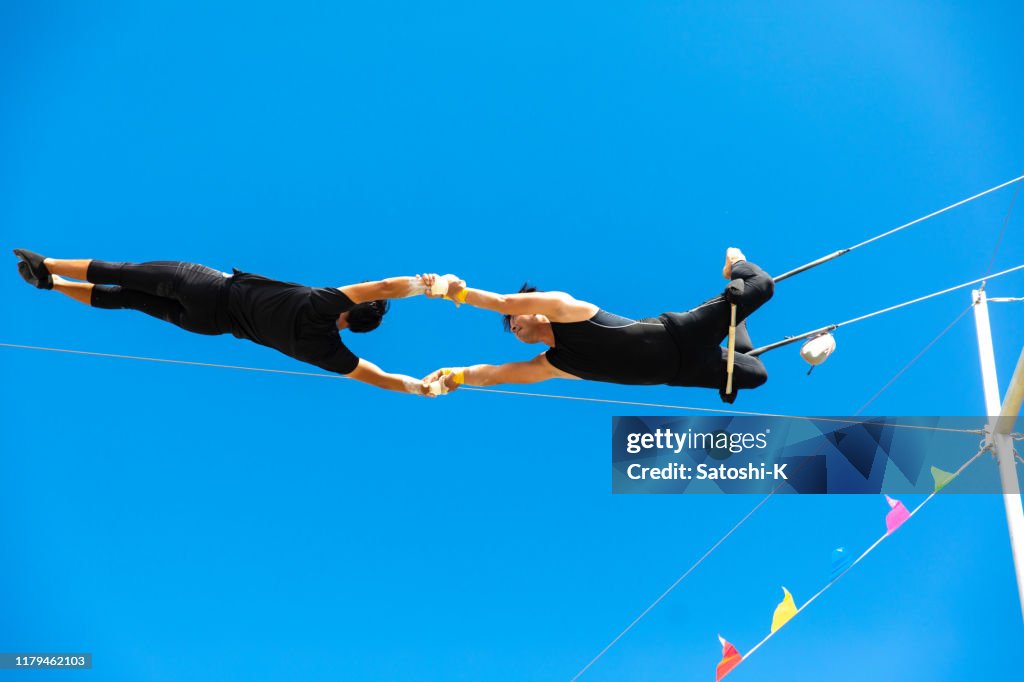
[(191, 523)]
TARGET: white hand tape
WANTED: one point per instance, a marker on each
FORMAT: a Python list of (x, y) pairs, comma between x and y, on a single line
[(439, 287)]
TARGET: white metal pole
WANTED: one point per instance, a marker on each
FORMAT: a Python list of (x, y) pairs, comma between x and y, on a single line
[(1002, 445)]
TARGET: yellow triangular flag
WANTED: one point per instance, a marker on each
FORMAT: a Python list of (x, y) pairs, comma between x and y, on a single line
[(784, 611), (941, 478)]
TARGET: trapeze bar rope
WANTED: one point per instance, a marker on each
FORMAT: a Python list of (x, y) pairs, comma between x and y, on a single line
[(821, 330), (843, 252), (837, 254)]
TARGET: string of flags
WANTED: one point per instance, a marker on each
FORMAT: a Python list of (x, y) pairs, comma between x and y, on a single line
[(842, 562)]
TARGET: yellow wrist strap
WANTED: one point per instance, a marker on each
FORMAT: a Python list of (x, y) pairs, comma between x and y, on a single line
[(461, 296), (459, 377)]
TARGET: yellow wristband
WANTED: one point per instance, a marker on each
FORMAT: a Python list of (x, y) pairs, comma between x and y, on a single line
[(458, 376), (461, 296)]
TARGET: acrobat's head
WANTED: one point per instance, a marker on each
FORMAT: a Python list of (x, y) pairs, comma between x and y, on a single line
[(364, 317), (527, 328)]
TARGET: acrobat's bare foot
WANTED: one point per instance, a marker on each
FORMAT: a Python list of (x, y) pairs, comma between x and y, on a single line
[(732, 256)]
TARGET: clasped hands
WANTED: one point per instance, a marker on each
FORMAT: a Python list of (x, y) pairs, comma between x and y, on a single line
[(451, 287)]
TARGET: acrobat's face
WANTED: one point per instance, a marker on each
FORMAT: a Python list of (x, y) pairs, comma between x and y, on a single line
[(528, 328)]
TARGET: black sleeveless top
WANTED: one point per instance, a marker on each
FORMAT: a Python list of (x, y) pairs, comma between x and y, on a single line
[(615, 349)]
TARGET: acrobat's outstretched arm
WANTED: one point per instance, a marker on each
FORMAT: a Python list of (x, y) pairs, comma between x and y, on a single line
[(392, 287), (555, 305), (371, 374), (529, 372)]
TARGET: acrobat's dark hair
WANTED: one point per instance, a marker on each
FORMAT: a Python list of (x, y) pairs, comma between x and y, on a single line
[(506, 320), (367, 316)]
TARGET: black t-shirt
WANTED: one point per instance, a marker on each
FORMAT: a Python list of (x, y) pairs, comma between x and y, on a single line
[(615, 349), (297, 320)]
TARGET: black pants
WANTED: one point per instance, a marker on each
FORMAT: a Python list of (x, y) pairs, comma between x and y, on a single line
[(185, 294), (700, 333)]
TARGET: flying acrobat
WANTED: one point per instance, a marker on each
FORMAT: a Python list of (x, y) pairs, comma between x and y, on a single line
[(587, 342), (299, 321)]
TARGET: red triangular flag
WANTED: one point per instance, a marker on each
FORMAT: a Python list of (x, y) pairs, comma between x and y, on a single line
[(730, 659)]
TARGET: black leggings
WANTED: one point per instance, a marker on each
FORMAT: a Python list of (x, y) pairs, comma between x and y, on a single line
[(185, 294), (701, 332)]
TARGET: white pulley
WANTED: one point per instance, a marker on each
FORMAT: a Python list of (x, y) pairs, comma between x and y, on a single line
[(817, 349)]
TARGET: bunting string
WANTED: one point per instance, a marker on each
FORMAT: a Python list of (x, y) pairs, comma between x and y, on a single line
[(863, 554), (700, 560)]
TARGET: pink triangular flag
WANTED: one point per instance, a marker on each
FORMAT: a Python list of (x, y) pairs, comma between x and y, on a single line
[(896, 516)]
